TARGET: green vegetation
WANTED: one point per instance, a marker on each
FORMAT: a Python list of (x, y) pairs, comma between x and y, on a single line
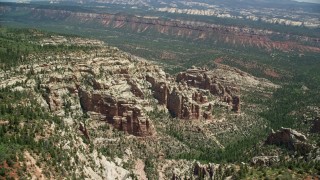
[(17, 44), (285, 108), (22, 120)]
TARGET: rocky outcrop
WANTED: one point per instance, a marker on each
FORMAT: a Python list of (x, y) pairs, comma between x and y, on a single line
[(160, 90), (123, 115), (204, 171), (181, 101), (205, 79), (291, 139), (264, 160), (104, 84), (187, 96), (180, 106)]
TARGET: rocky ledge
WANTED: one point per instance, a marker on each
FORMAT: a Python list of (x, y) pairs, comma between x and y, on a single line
[(291, 139)]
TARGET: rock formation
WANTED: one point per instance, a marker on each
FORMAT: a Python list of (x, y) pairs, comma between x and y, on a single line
[(125, 116), (115, 87), (187, 96), (181, 101), (291, 139), (205, 79), (204, 171), (106, 85)]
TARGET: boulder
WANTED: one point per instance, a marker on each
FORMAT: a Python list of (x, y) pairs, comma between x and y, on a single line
[(291, 139)]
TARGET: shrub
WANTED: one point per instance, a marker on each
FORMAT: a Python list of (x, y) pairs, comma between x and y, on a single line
[(10, 162), (2, 171)]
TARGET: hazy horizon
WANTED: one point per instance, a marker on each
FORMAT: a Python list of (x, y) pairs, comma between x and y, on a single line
[(307, 1), (310, 1)]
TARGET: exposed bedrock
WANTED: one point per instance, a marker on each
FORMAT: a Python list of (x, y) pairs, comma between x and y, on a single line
[(186, 97), (291, 139), (123, 115)]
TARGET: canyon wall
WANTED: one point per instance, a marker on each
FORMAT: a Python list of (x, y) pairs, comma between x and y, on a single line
[(196, 30)]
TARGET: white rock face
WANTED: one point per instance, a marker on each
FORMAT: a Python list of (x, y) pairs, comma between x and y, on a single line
[(111, 171), (104, 169)]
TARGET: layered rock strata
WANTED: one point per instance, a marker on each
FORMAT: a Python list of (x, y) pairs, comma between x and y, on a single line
[(125, 116), (205, 79), (186, 97), (105, 84), (182, 101)]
